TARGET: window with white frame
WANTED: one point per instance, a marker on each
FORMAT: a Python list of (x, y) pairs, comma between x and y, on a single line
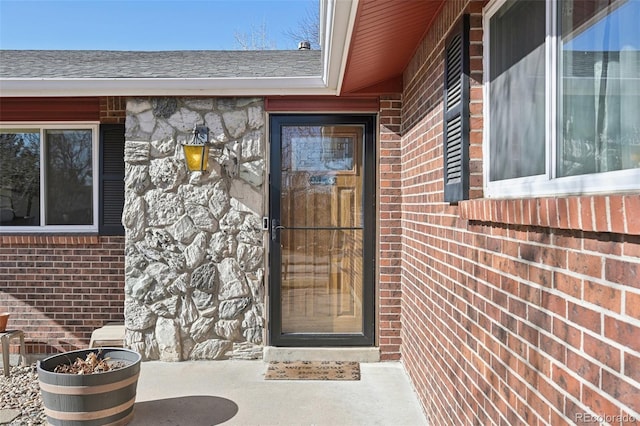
[(48, 177), (562, 97)]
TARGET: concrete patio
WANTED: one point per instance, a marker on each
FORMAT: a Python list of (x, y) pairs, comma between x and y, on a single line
[(235, 393)]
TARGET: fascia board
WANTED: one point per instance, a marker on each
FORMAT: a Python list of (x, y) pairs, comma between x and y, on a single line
[(340, 16), (165, 87)]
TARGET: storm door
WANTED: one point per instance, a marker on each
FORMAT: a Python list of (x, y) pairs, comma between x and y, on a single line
[(322, 218)]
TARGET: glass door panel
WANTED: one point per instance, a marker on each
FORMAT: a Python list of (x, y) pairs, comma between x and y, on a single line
[(321, 205), (318, 231), (322, 281)]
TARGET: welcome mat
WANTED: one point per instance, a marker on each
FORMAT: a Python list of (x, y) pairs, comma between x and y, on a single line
[(313, 370)]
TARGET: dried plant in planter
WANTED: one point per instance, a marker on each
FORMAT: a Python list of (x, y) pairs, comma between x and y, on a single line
[(105, 377), (94, 363)]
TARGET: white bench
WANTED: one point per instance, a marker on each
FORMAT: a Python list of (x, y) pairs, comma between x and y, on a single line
[(111, 334)]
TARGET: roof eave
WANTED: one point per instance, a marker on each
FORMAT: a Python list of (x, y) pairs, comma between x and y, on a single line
[(338, 17), (166, 87), (339, 20)]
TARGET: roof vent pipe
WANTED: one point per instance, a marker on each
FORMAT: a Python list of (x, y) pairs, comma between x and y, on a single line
[(304, 45)]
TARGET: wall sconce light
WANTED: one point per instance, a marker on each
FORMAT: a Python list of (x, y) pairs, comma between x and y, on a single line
[(196, 151)]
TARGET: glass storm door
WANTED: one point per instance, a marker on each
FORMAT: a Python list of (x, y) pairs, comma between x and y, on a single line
[(322, 230)]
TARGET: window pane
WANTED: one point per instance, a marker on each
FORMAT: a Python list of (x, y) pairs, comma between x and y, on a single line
[(599, 126), (69, 190), (320, 166), (517, 90), (20, 178)]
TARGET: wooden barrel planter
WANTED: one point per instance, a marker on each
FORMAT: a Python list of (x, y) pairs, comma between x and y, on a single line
[(105, 398)]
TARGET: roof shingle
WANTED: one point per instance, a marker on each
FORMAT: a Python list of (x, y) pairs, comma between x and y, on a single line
[(188, 64)]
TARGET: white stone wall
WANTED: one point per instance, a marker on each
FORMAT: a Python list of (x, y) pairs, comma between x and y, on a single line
[(194, 245)]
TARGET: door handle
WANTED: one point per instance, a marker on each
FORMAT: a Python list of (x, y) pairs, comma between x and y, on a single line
[(274, 229)]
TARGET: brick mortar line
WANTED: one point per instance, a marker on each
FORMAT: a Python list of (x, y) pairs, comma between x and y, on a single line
[(600, 337), (565, 296), (552, 360), (469, 207), (588, 409), (485, 364), (435, 327), (624, 258)]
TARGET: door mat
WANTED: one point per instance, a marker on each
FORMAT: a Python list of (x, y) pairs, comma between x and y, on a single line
[(313, 370)]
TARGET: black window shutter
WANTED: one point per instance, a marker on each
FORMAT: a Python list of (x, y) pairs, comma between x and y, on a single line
[(456, 113), (111, 179)]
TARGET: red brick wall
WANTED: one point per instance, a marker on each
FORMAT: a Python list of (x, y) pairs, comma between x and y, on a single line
[(389, 196), (60, 288), (513, 311), (113, 109)]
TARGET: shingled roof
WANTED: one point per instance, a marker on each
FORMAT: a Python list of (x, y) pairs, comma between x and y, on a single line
[(43, 73), (95, 64)]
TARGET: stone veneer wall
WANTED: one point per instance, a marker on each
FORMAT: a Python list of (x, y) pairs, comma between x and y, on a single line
[(194, 246)]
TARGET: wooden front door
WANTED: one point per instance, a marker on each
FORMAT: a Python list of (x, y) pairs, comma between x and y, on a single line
[(322, 230)]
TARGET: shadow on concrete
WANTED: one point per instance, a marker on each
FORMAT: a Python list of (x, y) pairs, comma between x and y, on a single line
[(184, 410)]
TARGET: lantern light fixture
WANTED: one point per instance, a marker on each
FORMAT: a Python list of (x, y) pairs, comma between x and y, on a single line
[(196, 150)]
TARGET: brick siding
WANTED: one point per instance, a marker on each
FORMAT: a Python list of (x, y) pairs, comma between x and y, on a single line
[(389, 196), (513, 311), (113, 109), (59, 288)]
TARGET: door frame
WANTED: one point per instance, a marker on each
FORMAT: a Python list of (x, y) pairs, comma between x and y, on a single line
[(367, 337)]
